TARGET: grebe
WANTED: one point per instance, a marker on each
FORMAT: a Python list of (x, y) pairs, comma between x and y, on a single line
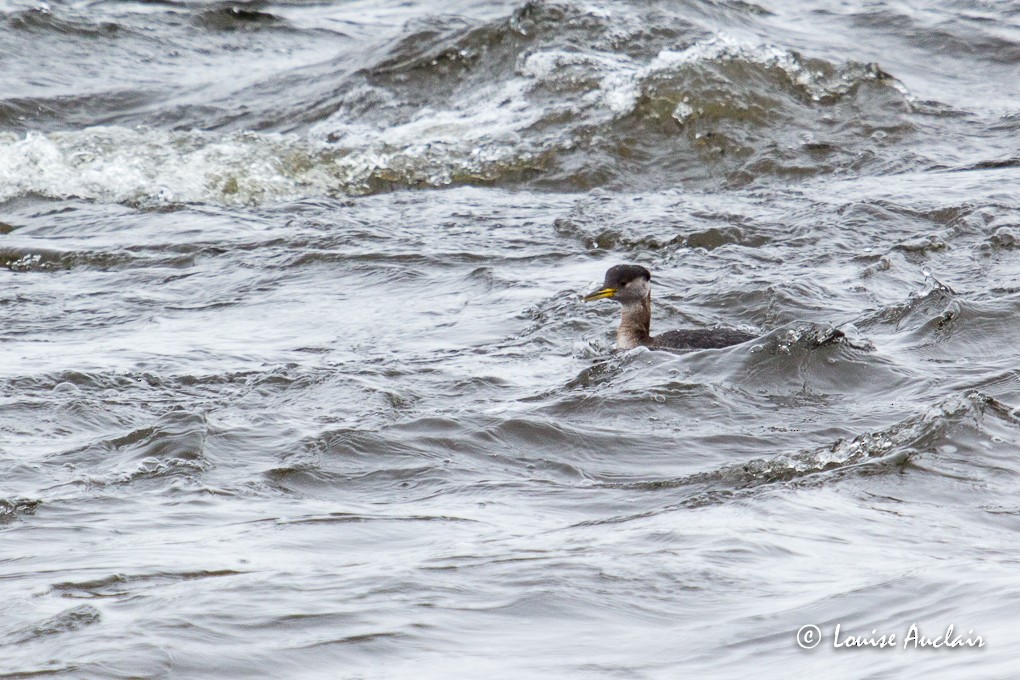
[(630, 285)]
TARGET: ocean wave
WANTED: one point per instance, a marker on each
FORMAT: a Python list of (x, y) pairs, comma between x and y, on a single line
[(11, 508), (557, 96), (958, 423), (152, 166)]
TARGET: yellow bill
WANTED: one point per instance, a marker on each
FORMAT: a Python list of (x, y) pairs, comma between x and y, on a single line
[(600, 294)]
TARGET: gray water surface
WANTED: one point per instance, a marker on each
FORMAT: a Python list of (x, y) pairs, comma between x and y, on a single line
[(295, 380)]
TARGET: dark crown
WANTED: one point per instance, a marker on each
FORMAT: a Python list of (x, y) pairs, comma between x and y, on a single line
[(622, 274)]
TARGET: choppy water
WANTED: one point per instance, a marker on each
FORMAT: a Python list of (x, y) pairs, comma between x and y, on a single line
[(295, 381)]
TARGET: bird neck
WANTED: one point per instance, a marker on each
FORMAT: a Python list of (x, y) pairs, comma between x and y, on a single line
[(635, 324)]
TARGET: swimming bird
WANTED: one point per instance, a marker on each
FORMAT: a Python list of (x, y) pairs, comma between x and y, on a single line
[(630, 285)]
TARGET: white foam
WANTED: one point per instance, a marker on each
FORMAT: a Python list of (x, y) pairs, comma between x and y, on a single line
[(143, 165), (119, 164), (619, 80)]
